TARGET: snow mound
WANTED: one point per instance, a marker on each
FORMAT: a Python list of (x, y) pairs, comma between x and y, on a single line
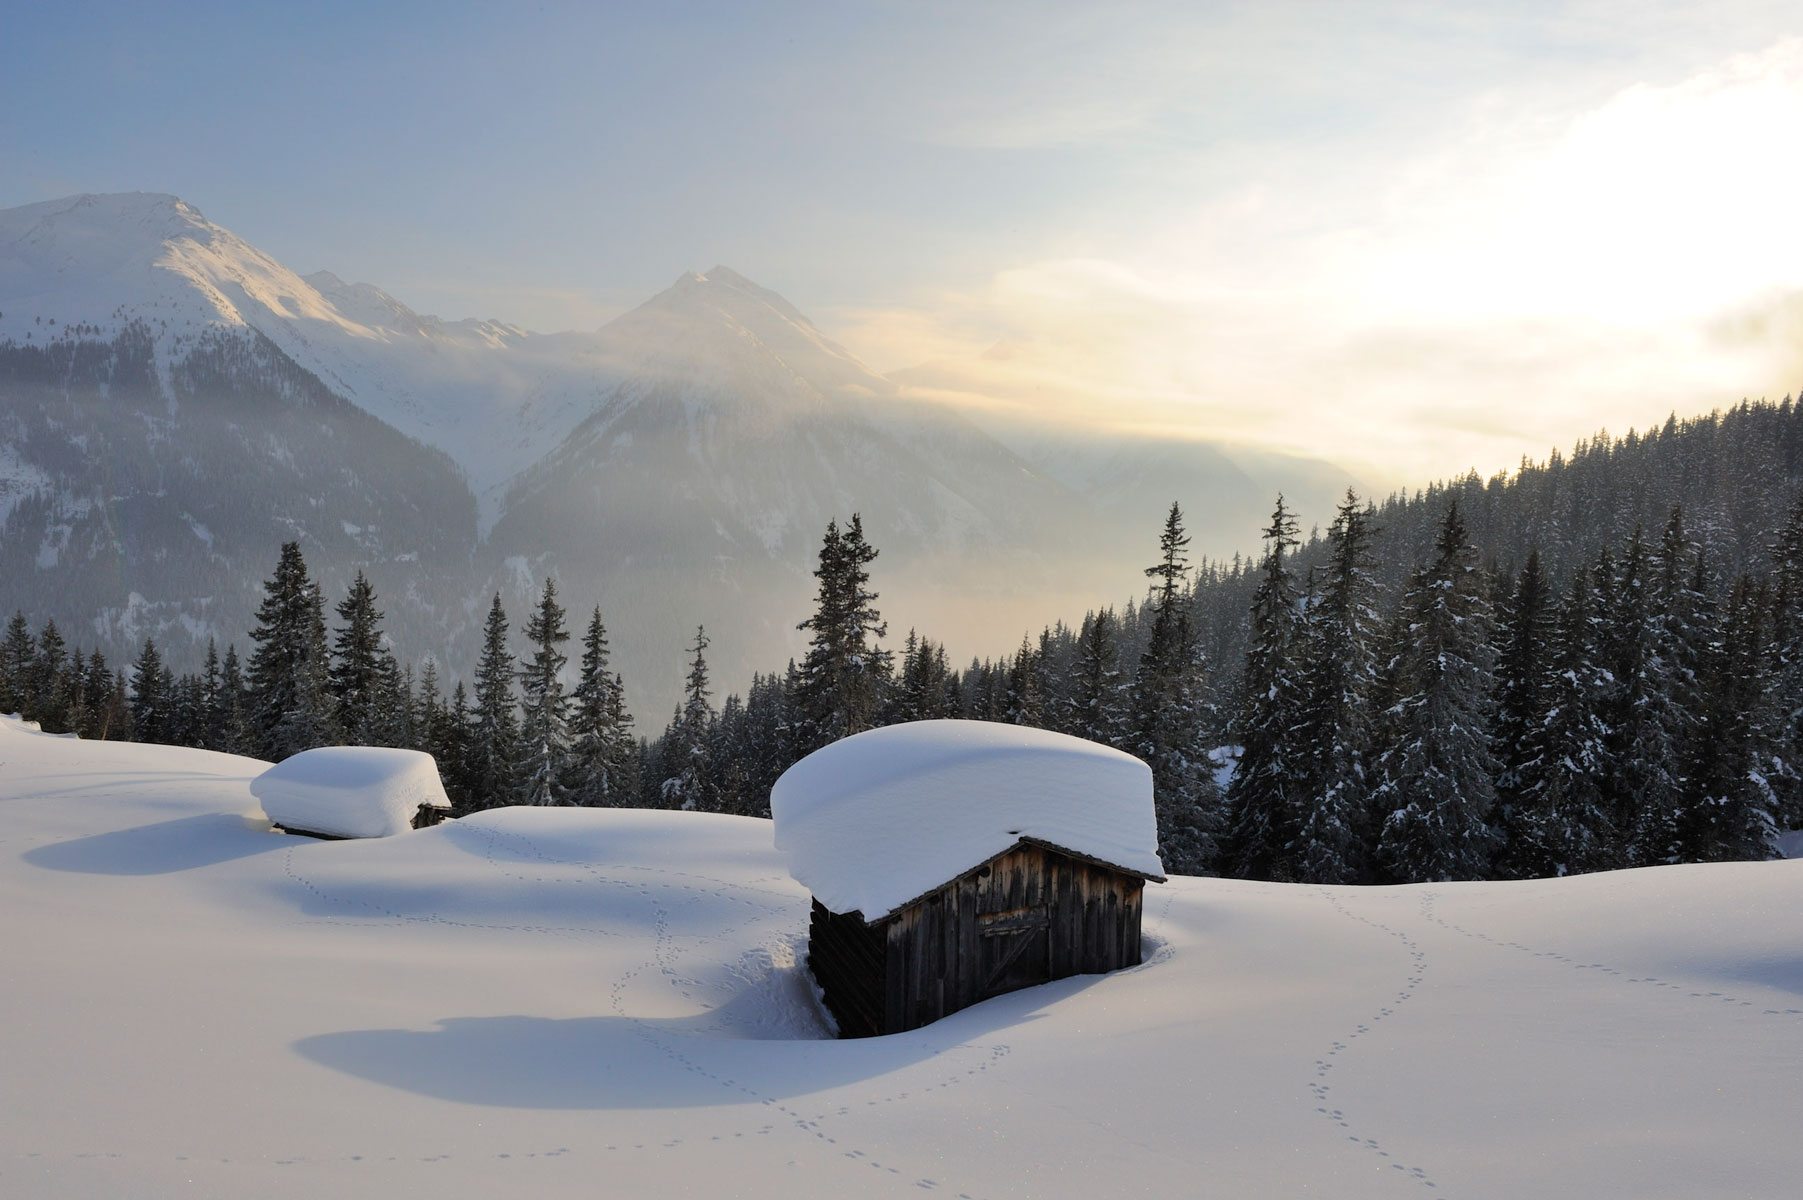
[(881, 818), (350, 791)]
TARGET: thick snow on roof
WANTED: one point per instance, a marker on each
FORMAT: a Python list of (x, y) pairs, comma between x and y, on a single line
[(350, 791), (883, 817)]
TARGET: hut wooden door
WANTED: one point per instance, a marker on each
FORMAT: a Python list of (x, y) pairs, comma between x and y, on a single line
[(1014, 948)]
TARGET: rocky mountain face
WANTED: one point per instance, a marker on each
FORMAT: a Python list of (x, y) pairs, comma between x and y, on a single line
[(174, 404)]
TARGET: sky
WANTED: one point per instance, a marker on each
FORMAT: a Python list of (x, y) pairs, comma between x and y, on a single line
[(1413, 238)]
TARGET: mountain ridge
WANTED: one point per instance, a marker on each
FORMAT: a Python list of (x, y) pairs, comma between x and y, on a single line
[(677, 464)]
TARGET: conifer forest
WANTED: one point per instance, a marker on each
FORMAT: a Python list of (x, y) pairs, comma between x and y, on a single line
[(1593, 662)]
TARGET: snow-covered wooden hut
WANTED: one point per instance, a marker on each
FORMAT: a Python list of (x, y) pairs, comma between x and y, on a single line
[(352, 792), (952, 861)]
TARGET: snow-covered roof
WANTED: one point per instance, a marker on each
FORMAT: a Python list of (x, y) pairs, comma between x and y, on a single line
[(881, 818), (350, 791)]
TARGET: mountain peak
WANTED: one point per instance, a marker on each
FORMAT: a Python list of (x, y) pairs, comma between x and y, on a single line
[(723, 289), (729, 277), (102, 217)]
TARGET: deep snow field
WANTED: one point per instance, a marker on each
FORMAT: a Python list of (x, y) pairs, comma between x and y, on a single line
[(538, 1003)]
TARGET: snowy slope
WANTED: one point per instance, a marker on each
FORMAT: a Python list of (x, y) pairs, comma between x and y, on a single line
[(547, 1002)]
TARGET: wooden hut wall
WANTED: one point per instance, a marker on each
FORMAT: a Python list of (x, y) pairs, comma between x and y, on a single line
[(1025, 917), (846, 957)]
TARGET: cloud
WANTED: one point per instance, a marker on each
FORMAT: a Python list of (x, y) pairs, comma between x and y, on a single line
[(546, 309), (1537, 270)]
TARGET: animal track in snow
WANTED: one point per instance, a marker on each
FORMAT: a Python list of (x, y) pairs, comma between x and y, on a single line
[(1577, 964), (1322, 1087)]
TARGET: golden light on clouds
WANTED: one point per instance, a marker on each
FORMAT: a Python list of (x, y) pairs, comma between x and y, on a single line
[(1531, 274)]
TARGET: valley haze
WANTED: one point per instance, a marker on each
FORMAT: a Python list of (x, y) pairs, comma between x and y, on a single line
[(677, 466)]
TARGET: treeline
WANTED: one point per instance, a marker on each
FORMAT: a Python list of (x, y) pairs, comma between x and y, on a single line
[(519, 736), (1397, 699)]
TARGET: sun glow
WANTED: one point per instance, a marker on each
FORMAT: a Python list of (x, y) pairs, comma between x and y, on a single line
[(1531, 274)]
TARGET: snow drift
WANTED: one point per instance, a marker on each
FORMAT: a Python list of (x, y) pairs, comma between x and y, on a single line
[(350, 791), (528, 1001)]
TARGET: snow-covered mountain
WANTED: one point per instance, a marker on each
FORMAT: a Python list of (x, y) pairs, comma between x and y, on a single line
[(176, 402), (493, 397), (727, 432)]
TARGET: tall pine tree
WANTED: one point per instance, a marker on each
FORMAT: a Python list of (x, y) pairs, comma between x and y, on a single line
[(687, 775), (1561, 821), (358, 663), (291, 705), (491, 776), (1171, 715), (1336, 726), (845, 673), (544, 719), (152, 704), (1096, 695), (1436, 781), (602, 751), (1265, 795)]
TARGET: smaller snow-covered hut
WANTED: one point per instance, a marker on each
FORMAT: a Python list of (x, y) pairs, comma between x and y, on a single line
[(952, 861), (352, 792)]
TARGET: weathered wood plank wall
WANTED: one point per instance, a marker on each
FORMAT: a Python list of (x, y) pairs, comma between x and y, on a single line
[(1029, 915)]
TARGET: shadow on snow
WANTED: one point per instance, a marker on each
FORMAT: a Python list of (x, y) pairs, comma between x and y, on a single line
[(162, 848), (615, 1062)]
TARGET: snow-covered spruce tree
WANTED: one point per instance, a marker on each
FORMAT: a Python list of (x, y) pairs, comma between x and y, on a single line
[(1333, 736), (1171, 716), (544, 708), (357, 663), (15, 662), (1786, 766), (1265, 794), (984, 692), (232, 733), (48, 681), (1560, 821), (1727, 811), (189, 726), (212, 698), (448, 741), (105, 722), (730, 753), (1436, 780), (845, 673), (1519, 712), (492, 759), (1027, 688), (687, 779), (1095, 703), (602, 748), (394, 719), (79, 716), (290, 698), (920, 694), (1647, 727), (151, 701), (766, 737), (1681, 635), (118, 708)]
